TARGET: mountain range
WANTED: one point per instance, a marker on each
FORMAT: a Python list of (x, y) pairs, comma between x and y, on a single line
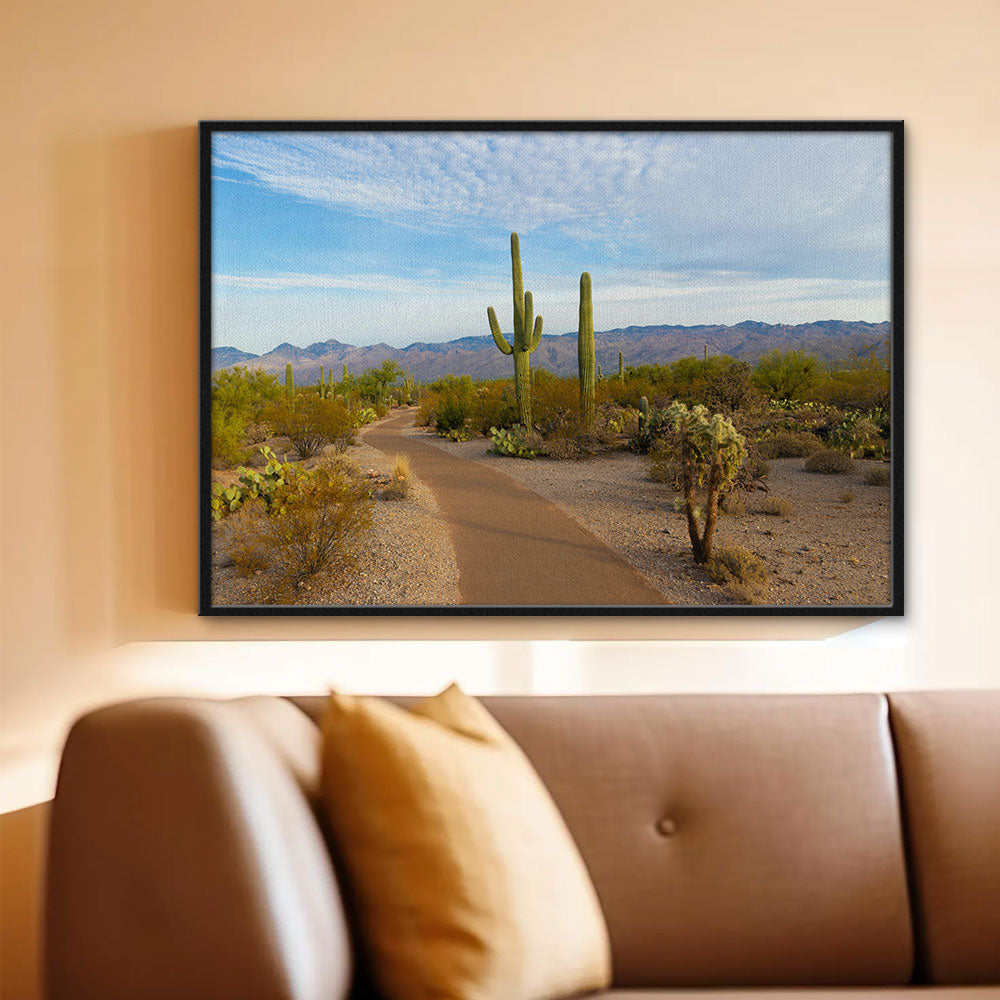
[(831, 340)]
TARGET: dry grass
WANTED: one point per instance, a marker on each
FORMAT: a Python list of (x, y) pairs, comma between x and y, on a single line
[(400, 467), (777, 507), (879, 476), (847, 497), (829, 463), (733, 505), (788, 444), (742, 574)]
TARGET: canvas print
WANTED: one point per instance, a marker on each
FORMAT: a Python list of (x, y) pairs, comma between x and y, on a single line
[(525, 368)]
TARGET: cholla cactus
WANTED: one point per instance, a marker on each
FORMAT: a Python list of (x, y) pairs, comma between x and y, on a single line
[(710, 451), (526, 337)]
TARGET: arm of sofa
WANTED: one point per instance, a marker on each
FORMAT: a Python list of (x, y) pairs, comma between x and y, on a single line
[(185, 859)]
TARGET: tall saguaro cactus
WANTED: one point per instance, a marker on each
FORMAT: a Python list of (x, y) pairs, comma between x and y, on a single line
[(526, 337), (289, 381), (585, 353), (621, 368)]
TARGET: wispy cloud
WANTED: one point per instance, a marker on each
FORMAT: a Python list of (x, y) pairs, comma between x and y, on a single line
[(674, 227)]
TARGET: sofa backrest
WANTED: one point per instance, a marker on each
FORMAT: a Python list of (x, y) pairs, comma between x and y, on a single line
[(948, 756), (732, 840)]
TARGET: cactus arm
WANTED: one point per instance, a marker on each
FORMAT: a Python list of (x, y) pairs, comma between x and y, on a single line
[(536, 336), (498, 337)]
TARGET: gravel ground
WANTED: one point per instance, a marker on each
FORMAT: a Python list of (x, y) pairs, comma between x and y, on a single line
[(826, 552), (406, 559)]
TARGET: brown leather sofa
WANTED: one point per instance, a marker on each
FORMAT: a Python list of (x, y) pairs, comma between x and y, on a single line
[(736, 842)]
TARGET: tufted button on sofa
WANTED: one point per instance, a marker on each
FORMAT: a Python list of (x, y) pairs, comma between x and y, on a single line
[(739, 843)]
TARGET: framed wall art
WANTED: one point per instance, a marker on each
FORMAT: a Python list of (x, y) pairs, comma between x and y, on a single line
[(593, 368)]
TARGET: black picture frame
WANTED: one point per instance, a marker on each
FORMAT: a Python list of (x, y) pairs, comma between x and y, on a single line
[(894, 129)]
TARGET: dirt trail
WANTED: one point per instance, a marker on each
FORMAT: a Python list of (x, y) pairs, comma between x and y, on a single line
[(513, 546)]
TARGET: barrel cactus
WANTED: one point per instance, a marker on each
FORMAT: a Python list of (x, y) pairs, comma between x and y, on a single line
[(585, 353), (526, 336)]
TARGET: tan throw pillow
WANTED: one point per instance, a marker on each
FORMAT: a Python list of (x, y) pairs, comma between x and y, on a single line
[(466, 882)]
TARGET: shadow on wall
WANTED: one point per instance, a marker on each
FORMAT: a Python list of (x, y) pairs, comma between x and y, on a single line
[(127, 356)]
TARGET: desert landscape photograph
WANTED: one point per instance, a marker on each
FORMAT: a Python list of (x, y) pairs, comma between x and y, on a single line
[(545, 369)]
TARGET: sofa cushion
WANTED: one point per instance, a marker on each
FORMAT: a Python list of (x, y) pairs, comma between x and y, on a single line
[(733, 840), (466, 881), (948, 747)]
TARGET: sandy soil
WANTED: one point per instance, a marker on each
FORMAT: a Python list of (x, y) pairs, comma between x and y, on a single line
[(827, 551), (407, 558)]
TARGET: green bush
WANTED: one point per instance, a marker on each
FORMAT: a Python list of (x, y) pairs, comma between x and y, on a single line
[(452, 412), (742, 574), (829, 463), (311, 423), (787, 374)]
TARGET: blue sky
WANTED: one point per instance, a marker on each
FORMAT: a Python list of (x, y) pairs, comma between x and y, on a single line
[(404, 236)]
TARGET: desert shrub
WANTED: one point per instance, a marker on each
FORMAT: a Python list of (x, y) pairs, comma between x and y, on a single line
[(555, 405), (777, 507), (494, 405), (709, 451), (787, 374), (733, 504), (860, 435), (788, 444), (663, 467), (373, 384), (452, 412), (317, 521), (515, 443), (246, 539), (879, 476), (228, 447), (293, 523), (847, 497), (862, 384), (240, 397), (585, 444), (829, 462), (742, 574), (311, 422)]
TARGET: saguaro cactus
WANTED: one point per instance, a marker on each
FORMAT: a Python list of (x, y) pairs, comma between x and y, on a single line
[(585, 353), (526, 336), (289, 381), (621, 368)]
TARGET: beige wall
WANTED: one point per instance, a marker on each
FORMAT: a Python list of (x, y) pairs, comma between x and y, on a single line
[(99, 337)]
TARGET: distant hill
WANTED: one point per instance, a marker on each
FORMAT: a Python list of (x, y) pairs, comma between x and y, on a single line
[(832, 340)]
